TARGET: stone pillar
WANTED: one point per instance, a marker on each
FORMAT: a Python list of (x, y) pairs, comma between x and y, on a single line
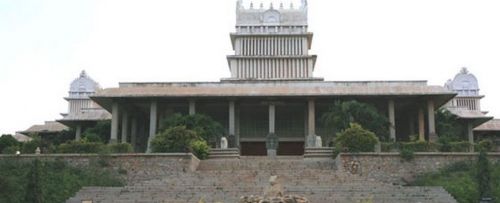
[(272, 139), (232, 122), (153, 114), (431, 120), (272, 118), (115, 117), (124, 126), (78, 133), (392, 120), (311, 123), (470, 135), (192, 107), (133, 132), (421, 125)]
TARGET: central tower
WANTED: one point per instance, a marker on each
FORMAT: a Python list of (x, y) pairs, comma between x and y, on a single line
[(271, 43)]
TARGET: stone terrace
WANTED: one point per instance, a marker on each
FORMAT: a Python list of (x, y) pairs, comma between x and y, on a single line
[(226, 180)]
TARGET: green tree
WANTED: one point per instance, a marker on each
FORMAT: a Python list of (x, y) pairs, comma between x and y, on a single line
[(99, 133), (7, 141), (341, 114), (356, 139), (34, 190), (204, 126), (175, 139), (448, 127), (483, 175)]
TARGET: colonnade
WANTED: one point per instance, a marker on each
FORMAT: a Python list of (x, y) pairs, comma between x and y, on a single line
[(122, 113)]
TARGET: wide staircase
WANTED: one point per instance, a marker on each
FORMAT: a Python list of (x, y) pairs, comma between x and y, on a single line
[(226, 180)]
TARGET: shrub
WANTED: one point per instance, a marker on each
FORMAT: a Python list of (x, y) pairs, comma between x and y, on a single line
[(389, 146), (200, 149), (120, 148), (10, 150), (7, 141), (80, 147), (486, 145), (30, 147), (419, 146), (102, 130), (50, 181), (175, 139), (483, 175), (91, 137), (356, 139), (407, 154), (204, 126), (341, 114), (463, 146)]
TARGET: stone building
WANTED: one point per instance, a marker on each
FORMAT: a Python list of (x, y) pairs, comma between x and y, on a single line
[(467, 107), (82, 111), (272, 91)]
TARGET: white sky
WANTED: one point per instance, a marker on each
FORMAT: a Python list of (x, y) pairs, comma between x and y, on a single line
[(45, 44)]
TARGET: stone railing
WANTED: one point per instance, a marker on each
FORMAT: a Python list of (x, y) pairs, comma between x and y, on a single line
[(138, 167), (391, 168)]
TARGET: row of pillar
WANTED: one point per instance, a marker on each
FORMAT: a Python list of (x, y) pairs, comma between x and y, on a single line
[(311, 122)]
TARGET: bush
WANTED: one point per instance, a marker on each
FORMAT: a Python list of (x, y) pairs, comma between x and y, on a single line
[(10, 150), (204, 126), (200, 149), (341, 114), (80, 147), (50, 181), (486, 145), (175, 139), (389, 146), (91, 137), (102, 130), (407, 154), (356, 139), (120, 148), (7, 141), (483, 175), (420, 146), (30, 147), (463, 146)]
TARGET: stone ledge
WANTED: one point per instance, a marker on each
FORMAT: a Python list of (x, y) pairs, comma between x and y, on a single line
[(176, 155), (418, 154)]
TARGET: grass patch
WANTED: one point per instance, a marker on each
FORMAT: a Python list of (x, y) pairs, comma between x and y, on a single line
[(460, 181), (56, 181)]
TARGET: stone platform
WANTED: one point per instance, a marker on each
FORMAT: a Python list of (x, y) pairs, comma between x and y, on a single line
[(227, 180)]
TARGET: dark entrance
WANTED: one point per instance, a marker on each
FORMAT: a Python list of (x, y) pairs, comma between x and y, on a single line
[(253, 149), (291, 149), (284, 149)]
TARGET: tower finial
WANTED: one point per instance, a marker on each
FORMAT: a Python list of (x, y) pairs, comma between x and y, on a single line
[(281, 5), (304, 4), (271, 6), (291, 5), (239, 4), (261, 5), (251, 5)]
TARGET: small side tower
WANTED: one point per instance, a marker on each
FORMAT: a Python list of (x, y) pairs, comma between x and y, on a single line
[(271, 43), (79, 94), (465, 84)]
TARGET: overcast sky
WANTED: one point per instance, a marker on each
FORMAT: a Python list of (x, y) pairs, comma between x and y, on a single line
[(45, 44)]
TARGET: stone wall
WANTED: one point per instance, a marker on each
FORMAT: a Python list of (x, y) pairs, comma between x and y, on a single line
[(138, 167), (391, 168)]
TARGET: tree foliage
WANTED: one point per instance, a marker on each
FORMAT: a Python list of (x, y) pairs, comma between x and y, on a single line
[(448, 127), (204, 126), (180, 139), (50, 181), (341, 114), (99, 133), (483, 175), (356, 139), (7, 141)]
